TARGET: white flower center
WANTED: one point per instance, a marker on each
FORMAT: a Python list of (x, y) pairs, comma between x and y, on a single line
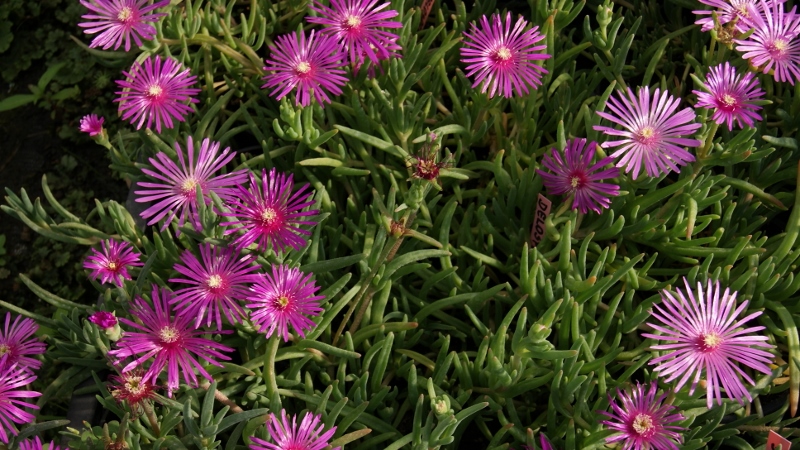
[(352, 22), (268, 216), (168, 334), (643, 424), (214, 281), (503, 53), (125, 14), (155, 91), (188, 186), (303, 68), (112, 265)]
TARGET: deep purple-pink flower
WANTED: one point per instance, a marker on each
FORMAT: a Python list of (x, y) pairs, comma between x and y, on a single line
[(728, 10), (774, 43), (642, 420), (36, 444), (270, 214), (651, 132), (357, 25), (731, 96), (502, 58), (575, 175), (175, 193), (304, 65), (308, 436), (708, 338), (111, 264), (18, 344), (12, 378), (167, 341), (218, 281), (156, 92), (283, 298), (103, 319), (118, 20), (92, 124)]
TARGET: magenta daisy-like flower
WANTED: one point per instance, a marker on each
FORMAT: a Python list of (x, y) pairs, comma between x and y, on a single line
[(651, 134), (270, 214), (18, 344), (304, 65), (156, 92), (574, 174), (284, 297), (504, 59), (217, 283), (92, 124), (111, 265), (308, 436), (545, 443), (708, 338), (36, 444), (118, 20), (774, 43), (357, 24), (169, 341), (12, 378), (642, 420), (176, 192), (731, 96), (728, 10)]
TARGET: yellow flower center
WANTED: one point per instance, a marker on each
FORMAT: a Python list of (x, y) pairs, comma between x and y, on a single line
[(155, 91), (168, 334), (268, 215), (4, 349), (188, 186), (643, 424), (728, 100), (352, 22), (134, 385), (779, 46), (214, 281), (111, 265), (575, 182), (303, 68), (742, 10), (283, 301), (504, 53), (125, 14), (712, 340)]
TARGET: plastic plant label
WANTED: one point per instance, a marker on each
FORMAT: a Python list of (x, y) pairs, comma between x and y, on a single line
[(776, 441), (542, 210)]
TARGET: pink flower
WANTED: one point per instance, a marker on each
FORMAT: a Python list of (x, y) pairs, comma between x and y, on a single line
[(305, 65), (176, 193), (11, 407), (18, 344), (284, 298), (742, 11), (216, 284), (132, 388), (731, 96), (103, 319), (116, 20), (651, 132), (642, 420), (774, 43), (504, 60), (357, 25), (111, 265), (308, 436), (574, 174), (270, 214), (171, 342), (156, 92), (92, 124), (36, 444), (708, 338)]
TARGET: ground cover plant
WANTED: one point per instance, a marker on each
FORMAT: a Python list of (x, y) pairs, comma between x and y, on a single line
[(395, 225)]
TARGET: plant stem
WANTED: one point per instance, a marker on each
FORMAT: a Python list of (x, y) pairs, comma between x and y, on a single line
[(151, 417), (269, 366)]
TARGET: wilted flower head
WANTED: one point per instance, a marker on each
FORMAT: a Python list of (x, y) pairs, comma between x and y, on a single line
[(574, 174), (504, 59), (18, 344), (651, 132), (708, 338), (357, 25), (118, 20), (731, 96), (156, 92), (36, 444), (270, 214), (12, 378), (132, 388), (308, 436), (218, 281), (176, 193), (283, 298), (425, 164), (169, 340), (111, 265), (92, 124), (103, 319), (642, 420), (774, 43), (305, 65)]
